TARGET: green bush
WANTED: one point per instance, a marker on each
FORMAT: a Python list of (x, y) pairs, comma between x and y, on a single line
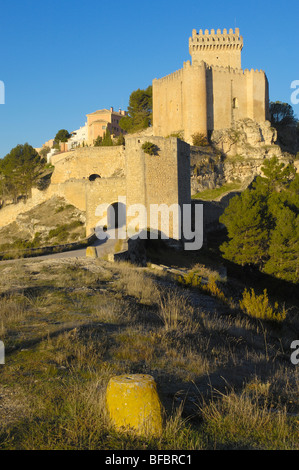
[(150, 148), (60, 233), (199, 140)]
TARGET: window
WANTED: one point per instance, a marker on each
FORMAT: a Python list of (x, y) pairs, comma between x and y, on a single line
[(235, 103)]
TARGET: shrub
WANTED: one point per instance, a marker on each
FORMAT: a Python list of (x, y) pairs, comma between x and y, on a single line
[(98, 141), (191, 279), (150, 148), (258, 306), (178, 135), (199, 139), (212, 288)]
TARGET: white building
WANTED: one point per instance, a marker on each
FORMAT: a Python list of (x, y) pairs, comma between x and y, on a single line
[(50, 154), (78, 137)]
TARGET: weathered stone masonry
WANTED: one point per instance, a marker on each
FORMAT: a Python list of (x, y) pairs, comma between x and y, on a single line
[(211, 93), (123, 172)]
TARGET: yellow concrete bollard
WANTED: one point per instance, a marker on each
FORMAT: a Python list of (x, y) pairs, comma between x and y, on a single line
[(91, 252), (133, 403)]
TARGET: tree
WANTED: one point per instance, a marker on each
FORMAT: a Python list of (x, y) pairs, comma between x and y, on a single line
[(281, 114), (62, 136), (246, 220), (283, 252), (150, 148), (44, 151), (120, 139), (20, 170), (287, 126), (263, 223), (107, 139), (277, 176), (139, 111), (98, 141)]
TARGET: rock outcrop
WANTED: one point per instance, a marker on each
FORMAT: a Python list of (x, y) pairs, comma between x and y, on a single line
[(235, 156), (248, 138), (53, 217)]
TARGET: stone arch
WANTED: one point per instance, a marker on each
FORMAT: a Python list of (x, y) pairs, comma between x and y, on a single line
[(93, 177), (116, 215)]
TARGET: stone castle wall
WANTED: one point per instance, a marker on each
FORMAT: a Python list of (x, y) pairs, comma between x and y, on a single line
[(72, 191), (159, 179), (101, 191), (180, 102), (212, 93), (86, 161), (162, 179), (199, 98)]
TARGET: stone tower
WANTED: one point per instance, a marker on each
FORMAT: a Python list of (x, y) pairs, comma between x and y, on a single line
[(212, 92), (223, 49)]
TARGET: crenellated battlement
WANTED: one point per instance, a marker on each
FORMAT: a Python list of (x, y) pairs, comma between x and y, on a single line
[(211, 91), (216, 48), (224, 35), (172, 76), (178, 74)]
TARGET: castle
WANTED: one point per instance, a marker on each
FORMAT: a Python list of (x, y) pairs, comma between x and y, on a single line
[(212, 92)]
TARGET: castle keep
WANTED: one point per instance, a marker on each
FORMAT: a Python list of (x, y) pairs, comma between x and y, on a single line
[(212, 92)]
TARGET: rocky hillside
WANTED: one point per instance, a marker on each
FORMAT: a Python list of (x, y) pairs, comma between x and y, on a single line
[(49, 223), (235, 156)]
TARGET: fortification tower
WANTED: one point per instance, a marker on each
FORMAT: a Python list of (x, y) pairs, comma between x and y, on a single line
[(223, 49), (213, 92)]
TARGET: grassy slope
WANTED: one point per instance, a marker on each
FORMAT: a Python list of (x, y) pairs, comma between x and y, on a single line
[(217, 193), (225, 379)]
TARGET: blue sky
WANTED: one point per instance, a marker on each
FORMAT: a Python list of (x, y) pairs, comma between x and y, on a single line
[(62, 59)]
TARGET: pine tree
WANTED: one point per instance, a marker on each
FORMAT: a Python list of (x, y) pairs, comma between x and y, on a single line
[(98, 141), (20, 170), (247, 221), (107, 140), (139, 111), (263, 223), (284, 247), (277, 176)]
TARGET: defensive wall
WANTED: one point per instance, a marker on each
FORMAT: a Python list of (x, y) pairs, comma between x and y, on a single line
[(200, 98), (86, 161), (72, 191), (162, 179)]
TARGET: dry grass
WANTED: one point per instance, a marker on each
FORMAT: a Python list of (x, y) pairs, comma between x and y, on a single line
[(258, 306), (224, 378), (249, 420)]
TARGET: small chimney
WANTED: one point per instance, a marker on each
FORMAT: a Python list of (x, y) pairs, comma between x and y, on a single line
[(111, 109)]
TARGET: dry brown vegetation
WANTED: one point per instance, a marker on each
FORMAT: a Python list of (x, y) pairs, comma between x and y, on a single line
[(225, 379)]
